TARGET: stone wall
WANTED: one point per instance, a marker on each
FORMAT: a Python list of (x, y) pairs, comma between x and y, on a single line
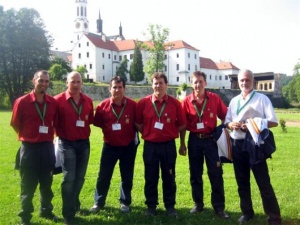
[(98, 93)]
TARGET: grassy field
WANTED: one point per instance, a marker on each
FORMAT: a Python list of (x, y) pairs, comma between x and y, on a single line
[(284, 171)]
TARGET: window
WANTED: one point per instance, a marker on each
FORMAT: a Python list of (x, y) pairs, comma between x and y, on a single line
[(166, 68), (79, 45), (115, 57), (260, 87), (195, 56), (226, 77), (216, 77), (177, 79), (189, 67), (210, 76), (177, 55), (166, 57), (102, 54), (87, 44), (189, 55), (91, 66), (220, 77), (196, 69), (270, 86), (266, 87), (103, 77), (131, 56), (177, 67), (87, 54), (189, 79), (84, 65), (79, 55), (103, 67), (109, 56), (120, 58)]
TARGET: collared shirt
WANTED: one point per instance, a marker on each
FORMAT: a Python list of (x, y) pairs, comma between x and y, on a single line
[(171, 118), (68, 117), (258, 106), (105, 118), (214, 109), (27, 121)]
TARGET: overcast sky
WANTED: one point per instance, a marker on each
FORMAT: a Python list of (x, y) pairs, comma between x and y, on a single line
[(261, 35)]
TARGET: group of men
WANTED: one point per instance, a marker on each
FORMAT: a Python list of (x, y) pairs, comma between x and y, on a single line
[(160, 118)]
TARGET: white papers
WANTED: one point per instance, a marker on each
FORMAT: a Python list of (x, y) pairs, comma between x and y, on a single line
[(224, 147), (260, 123), (248, 112)]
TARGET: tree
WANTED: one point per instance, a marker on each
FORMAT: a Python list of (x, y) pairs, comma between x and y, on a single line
[(291, 92), (82, 70), (122, 70), (56, 72), (24, 47), (158, 36), (136, 68), (62, 62)]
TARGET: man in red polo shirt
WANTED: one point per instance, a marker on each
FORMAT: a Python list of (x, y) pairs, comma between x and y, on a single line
[(201, 109), (75, 114), (116, 116), (160, 119), (33, 118)]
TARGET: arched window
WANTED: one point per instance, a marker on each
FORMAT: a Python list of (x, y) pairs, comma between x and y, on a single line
[(266, 87), (260, 87), (81, 11), (77, 11), (270, 86)]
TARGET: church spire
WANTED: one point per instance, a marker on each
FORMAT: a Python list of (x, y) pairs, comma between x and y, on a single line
[(120, 30), (81, 21), (99, 24)]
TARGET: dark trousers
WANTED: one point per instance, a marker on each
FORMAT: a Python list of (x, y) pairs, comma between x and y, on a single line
[(160, 155), (74, 160), (37, 162), (261, 174), (110, 155), (198, 149)]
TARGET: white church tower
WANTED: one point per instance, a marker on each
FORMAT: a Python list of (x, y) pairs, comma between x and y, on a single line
[(81, 22)]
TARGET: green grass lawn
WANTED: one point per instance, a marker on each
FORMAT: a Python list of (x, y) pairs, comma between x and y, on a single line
[(284, 170)]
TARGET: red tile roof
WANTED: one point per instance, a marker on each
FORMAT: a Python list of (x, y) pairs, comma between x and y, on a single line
[(207, 63), (222, 65)]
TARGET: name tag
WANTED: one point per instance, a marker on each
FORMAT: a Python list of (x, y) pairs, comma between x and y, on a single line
[(43, 130), (200, 125), (79, 123), (158, 125), (116, 126)]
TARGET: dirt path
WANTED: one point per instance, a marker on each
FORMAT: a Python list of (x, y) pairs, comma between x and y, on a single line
[(292, 123)]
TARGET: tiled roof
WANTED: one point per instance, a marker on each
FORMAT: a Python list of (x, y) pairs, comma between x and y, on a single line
[(179, 44), (207, 63), (222, 65)]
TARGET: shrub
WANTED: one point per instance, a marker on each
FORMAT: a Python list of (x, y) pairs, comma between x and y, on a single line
[(282, 125)]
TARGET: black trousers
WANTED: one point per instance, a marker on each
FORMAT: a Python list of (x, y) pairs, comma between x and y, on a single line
[(198, 149), (37, 161), (160, 155), (261, 174)]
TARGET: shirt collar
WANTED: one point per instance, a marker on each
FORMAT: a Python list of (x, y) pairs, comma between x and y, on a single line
[(33, 97), (122, 102), (155, 99)]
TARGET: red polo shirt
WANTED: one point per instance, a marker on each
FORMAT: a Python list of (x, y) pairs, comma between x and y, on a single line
[(215, 108), (171, 118), (105, 118), (27, 121), (67, 117)]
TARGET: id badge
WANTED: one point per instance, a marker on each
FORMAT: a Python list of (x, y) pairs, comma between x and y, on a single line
[(79, 123), (158, 125), (200, 125), (43, 130), (116, 126)]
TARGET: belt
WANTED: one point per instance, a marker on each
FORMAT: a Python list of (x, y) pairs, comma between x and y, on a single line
[(202, 136)]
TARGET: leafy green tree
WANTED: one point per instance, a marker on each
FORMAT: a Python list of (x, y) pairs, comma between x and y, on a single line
[(57, 72), (155, 61), (24, 48), (291, 92), (82, 70), (62, 62), (136, 71), (122, 70)]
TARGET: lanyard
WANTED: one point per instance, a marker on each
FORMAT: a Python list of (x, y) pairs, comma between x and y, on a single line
[(74, 106), (238, 106), (161, 111), (42, 116), (114, 112), (203, 107)]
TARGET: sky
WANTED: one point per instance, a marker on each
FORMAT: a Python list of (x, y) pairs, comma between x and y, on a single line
[(260, 35)]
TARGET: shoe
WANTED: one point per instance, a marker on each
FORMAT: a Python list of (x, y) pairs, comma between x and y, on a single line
[(172, 212), (150, 212), (275, 222), (95, 209), (245, 218), (196, 209), (68, 220), (49, 216), (223, 215), (124, 208)]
